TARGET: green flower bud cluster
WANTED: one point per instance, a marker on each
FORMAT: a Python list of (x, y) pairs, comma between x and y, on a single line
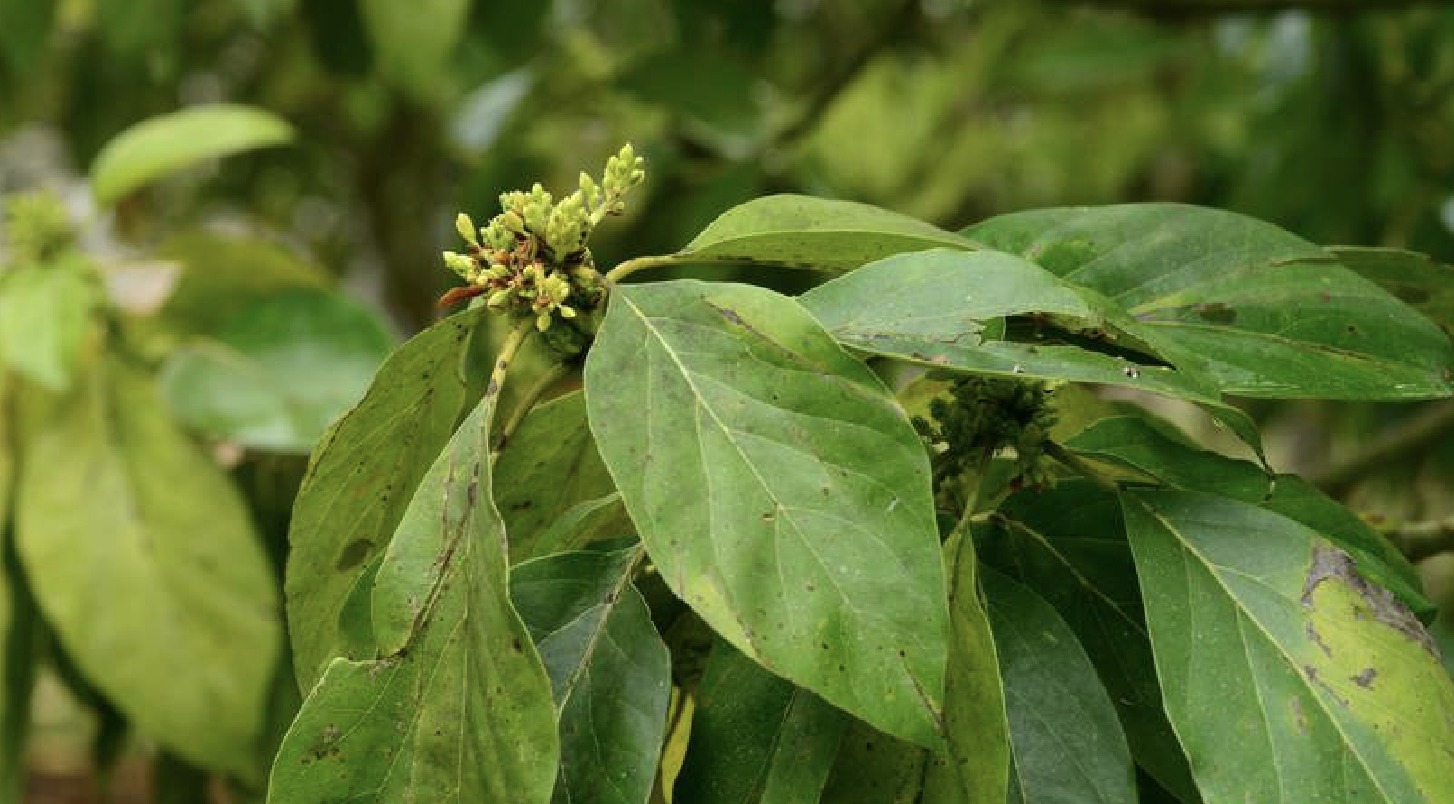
[(36, 226), (532, 259), (982, 416)]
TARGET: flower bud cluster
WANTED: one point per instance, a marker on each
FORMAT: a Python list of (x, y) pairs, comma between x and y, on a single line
[(34, 225), (981, 416), (532, 259)]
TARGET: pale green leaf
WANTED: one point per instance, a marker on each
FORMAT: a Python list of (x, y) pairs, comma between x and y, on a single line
[(1288, 676), (361, 477), (1261, 311), (162, 145), (810, 542), (608, 667), (458, 708), (1067, 744), (46, 317), (797, 231), (219, 276), (549, 466), (756, 738), (153, 572), (278, 373)]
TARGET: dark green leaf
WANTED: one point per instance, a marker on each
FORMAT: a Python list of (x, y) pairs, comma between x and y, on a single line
[(1068, 545), (46, 318), (1288, 676), (458, 708), (1258, 309), (168, 143), (412, 42), (874, 768), (280, 372), (1067, 743), (25, 31), (976, 731), (756, 738), (153, 572), (796, 231), (549, 466), (1132, 441), (608, 667), (781, 491), (359, 481)]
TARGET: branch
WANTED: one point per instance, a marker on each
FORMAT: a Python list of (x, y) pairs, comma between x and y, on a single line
[(1406, 442)]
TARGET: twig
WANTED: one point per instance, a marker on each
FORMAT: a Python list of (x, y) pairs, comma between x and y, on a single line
[(1410, 439)]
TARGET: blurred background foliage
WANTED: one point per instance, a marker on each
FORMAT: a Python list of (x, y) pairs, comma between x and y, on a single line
[(262, 289)]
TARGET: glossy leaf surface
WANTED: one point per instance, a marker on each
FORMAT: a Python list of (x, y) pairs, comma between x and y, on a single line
[(359, 481), (1288, 676), (809, 541)]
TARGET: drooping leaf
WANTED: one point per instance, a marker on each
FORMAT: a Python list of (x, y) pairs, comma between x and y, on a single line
[(412, 42), (977, 734), (874, 768), (1068, 545), (361, 477), (810, 542), (1132, 441), (608, 667), (1418, 280), (1258, 309), (796, 231), (756, 738), (1067, 744), (153, 572), (550, 466), (1289, 677), (45, 319), (459, 709), (162, 145), (278, 373)]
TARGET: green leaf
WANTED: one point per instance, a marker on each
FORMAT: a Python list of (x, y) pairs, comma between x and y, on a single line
[(796, 231), (974, 767), (165, 144), (278, 373), (412, 42), (46, 316), (461, 711), (809, 542), (1067, 743), (1418, 280), (608, 667), (581, 525), (1068, 545), (1258, 309), (1288, 676), (1133, 442), (361, 477), (756, 738), (550, 465), (220, 276), (874, 768), (154, 572), (1377, 558)]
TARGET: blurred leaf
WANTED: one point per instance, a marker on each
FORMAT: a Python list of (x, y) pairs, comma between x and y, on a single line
[(1132, 441), (482, 115), (795, 231), (710, 90), (25, 32), (734, 395), (153, 573), (457, 707), (413, 42), (1238, 299), (1067, 743), (140, 27), (549, 466), (224, 275), (1269, 644), (756, 738), (377, 452), (18, 620), (168, 143), (46, 314), (608, 667), (280, 372), (1094, 54)]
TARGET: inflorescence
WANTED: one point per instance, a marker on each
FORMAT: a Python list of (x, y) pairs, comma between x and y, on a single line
[(531, 260), (981, 416)]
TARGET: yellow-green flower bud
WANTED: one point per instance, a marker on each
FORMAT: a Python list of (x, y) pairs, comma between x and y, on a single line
[(459, 263), (567, 312), (542, 322), (466, 229), (498, 298)]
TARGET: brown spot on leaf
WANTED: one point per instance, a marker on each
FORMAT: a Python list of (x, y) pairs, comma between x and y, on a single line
[(1365, 678), (354, 554), (1330, 563), (1217, 313)]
